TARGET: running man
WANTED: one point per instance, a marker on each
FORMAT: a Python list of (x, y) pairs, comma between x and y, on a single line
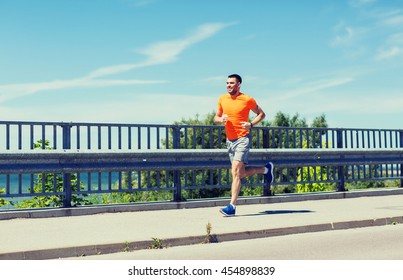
[(233, 111)]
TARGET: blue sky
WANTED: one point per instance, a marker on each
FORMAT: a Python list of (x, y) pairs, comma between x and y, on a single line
[(158, 61)]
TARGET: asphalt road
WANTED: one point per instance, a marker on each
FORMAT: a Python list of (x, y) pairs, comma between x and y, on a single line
[(370, 243)]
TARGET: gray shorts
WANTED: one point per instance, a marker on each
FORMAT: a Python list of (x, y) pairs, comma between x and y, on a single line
[(239, 149)]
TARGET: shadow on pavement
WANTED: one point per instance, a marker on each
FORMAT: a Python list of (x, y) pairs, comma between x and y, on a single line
[(276, 212)]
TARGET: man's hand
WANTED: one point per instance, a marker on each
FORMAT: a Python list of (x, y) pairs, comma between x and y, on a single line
[(224, 118), (246, 125)]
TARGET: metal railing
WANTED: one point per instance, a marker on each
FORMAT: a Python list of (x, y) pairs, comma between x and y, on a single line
[(107, 136), (91, 147)]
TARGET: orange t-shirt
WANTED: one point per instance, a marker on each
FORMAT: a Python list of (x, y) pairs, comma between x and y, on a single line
[(237, 108)]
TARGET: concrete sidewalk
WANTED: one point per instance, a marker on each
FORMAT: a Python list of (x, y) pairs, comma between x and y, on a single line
[(69, 236)]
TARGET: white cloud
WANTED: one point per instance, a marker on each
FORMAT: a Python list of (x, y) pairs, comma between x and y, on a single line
[(350, 40), (390, 18), (313, 87), (354, 105), (166, 109), (391, 52), (157, 53), (397, 20), (363, 40), (165, 51), (344, 35), (344, 108), (392, 48), (396, 38), (309, 98), (115, 69), (168, 51), (12, 91)]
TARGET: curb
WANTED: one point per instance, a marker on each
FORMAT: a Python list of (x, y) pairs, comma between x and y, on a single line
[(192, 240), (168, 205)]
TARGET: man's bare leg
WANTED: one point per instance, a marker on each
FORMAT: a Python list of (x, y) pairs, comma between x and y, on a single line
[(239, 171)]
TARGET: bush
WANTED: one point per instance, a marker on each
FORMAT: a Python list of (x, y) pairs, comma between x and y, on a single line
[(2, 200), (50, 183)]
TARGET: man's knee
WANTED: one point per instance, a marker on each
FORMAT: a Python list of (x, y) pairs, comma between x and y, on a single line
[(238, 169)]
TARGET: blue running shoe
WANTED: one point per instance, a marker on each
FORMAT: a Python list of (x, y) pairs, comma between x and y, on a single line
[(269, 175), (228, 211)]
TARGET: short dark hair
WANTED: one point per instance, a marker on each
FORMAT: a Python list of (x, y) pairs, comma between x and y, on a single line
[(237, 77)]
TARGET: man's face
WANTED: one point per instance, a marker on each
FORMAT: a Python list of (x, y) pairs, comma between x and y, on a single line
[(233, 86)]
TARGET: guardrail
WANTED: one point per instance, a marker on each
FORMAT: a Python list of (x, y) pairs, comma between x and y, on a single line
[(107, 157), (65, 163), (70, 161)]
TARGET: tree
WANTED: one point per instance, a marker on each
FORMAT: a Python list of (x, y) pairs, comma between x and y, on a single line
[(284, 120), (201, 137), (319, 121)]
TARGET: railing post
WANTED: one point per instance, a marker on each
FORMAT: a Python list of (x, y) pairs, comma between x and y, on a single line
[(340, 169), (177, 173), (67, 176), (266, 144), (266, 138), (401, 165)]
